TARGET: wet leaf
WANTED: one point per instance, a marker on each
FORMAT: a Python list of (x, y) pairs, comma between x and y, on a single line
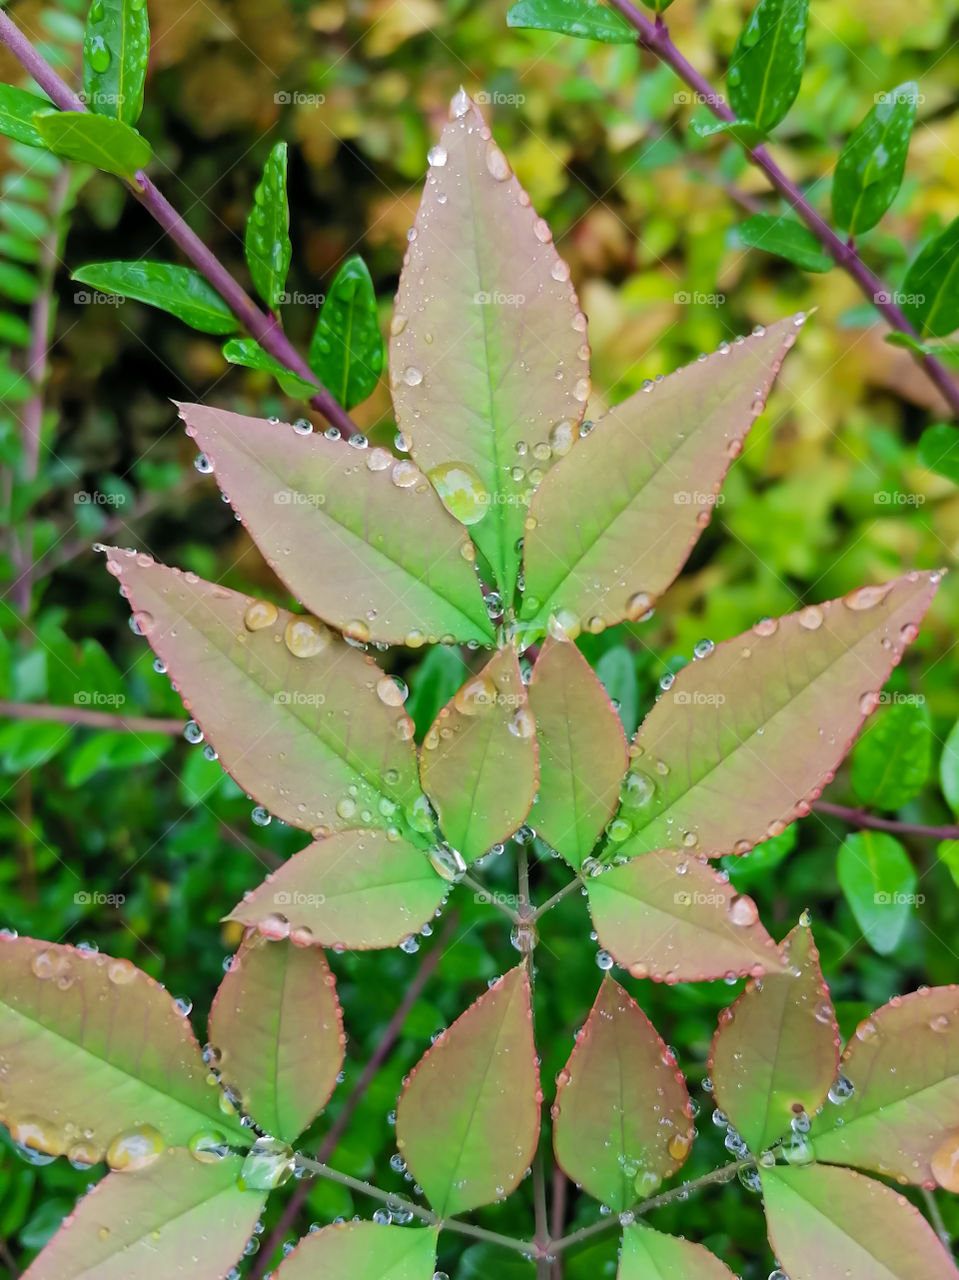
[(651, 1255), (787, 238), (892, 759), (765, 70), (870, 167), (267, 238), (931, 297), (101, 141), (362, 1251), (180, 290), (17, 109), (583, 18), (347, 351), (116, 49), (879, 883), (249, 354), (949, 769)]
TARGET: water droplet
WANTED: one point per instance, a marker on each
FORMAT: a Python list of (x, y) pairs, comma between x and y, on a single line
[(412, 376), (392, 690), (866, 597), (604, 960), (305, 636), (135, 1148), (404, 474), (268, 1164), (810, 618), (203, 464), (766, 627), (743, 911), (496, 163), (560, 270), (437, 156), (637, 605), (259, 615), (475, 696), (461, 491), (447, 863), (521, 724), (679, 1145), (208, 1146), (842, 1090)]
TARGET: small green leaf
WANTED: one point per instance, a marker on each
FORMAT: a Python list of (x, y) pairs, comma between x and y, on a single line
[(434, 682), (616, 671), (16, 284), (17, 110), (746, 132), (651, 1255), (101, 141), (180, 290), (879, 884), (362, 1251), (931, 286), (766, 68), (870, 167), (939, 450), (347, 351), (949, 769), (116, 49), (787, 238), (891, 761), (582, 18), (248, 353), (267, 241), (14, 330)]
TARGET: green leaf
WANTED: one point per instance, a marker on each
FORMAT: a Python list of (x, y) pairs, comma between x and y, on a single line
[(248, 353), (755, 865), (583, 18), (651, 1255), (14, 330), (835, 1222), (643, 485), (180, 290), (777, 1049), (362, 1251), (473, 390), (277, 1026), (939, 450), (93, 1041), (870, 167), (356, 889), (607, 1136), (17, 284), (930, 289), (347, 352), (478, 764), (892, 759), (468, 1119), (116, 49), (434, 682), (100, 141), (743, 740), (787, 238), (902, 1116), (361, 539), (672, 918), (582, 751), (267, 240), (176, 1217), (12, 246), (745, 132), (949, 769), (291, 710), (766, 67), (879, 883), (616, 671), (17, 110)]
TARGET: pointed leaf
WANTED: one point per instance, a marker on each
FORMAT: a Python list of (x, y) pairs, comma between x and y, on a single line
[(932, 299), (17, 109), (116, 49), (362, 1251), (249, 354), (486, 318), (277, 1025), (776, 1051), (608, 1135), (642, 485), (651, 1255), (672, 918), (177, 1217), (356, 889), (347, 351), (468, 1120), (378, 559), (306, 736), (744, 740), (902, 1119), (834, 1224), (583, 18), (267, 239), (92, 1041), (101, 141), (879, 883), (180, 290), (870, 167), (766, 68), (582, 751), (892, 759), (479, 762), (938, 450), (786, 237)]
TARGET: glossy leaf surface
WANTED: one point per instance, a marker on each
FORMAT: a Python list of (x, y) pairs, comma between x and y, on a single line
[(17, 109), (870, 167), (362, 1251), (786, 237), (180, 290), (346, 351), (116, 49), (892, 759), (766, 67), (105, 143), (651, 1255), (583, 18), (267, 237), (932, 298), (879, 883), (249, 354)]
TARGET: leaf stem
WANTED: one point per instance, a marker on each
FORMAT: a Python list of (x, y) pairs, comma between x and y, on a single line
[(88, 716), (490, 896), (935, 1217), (860, 818), (557, 897)]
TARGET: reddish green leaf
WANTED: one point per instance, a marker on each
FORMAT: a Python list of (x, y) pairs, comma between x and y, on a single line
[(178, 1217), (99, 1053), (776, 1050), (360, 537), (650, 1255), (902, 1119), (642, 485), (309, 737), (834, 1224), (479, 762), (355, 889), (622, 1120), (468, 1120), (582, 751), (489, 365), (277, 1025), (362, 1251), (745, 739), (670, 917)]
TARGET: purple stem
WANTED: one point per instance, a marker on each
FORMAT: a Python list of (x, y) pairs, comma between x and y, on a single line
[(860, 818)]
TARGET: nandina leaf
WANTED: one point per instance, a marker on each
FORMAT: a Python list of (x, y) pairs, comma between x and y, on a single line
[(307, 737), (479, 764), (362, 1251), (609, 1135), (582, 751), (177, 1217), (776, 1050), (651, 1255), (96, 1048), (641, 487), (745, 739), (835, 1224), (277, 1025), (902, 1119), (468, 1120), (378, 559), (354, 889), (488, 358), (670, 917)]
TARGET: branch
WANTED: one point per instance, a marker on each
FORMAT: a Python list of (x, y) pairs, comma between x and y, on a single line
[(860, 818), (655, 38), (93, 719)]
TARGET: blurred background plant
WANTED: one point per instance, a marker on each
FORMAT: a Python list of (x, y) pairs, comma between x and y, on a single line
[(118, 830)]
